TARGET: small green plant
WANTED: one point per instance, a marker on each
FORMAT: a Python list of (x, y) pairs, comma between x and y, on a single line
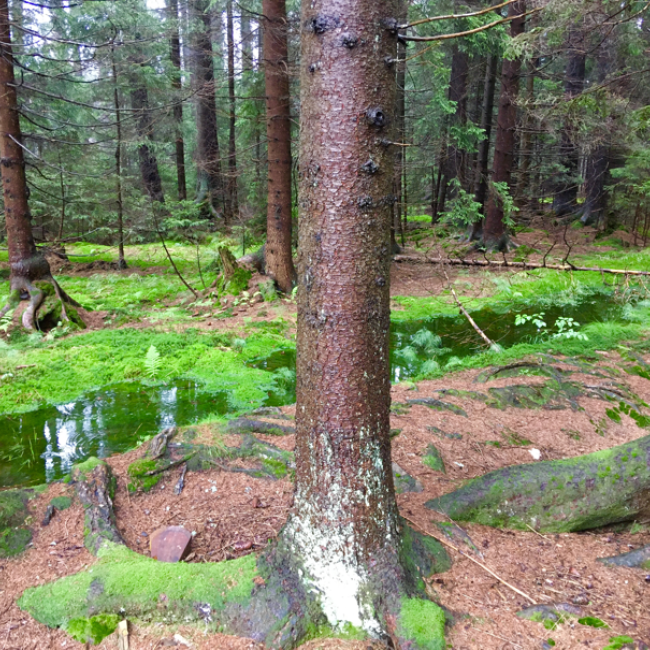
[(152, 362), (464, 210), (564, 328)]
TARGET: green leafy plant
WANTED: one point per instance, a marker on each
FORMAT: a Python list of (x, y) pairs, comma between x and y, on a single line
[(152, 362), (564, 328), (592, 621), (619, 642)]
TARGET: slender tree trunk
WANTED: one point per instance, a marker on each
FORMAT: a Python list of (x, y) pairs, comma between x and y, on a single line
[(28, 268), (527, 141), (279, 262), (121, 261), (494, 231), (175, 57), (210, 181), (482, 171), (566, 192), (247, 37), (232, 116)]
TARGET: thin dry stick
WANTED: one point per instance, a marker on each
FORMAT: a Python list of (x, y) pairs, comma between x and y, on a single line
[(469, 557), (432, 19), (516, 265), (465, 313)]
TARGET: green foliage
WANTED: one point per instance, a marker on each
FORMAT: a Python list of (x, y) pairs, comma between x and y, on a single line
[(463, 209), (152, 362), (619, 642), (565, 327), (592, 621), (94, 629)]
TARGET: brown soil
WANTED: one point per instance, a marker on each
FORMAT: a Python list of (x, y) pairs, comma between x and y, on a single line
[(234, 514)]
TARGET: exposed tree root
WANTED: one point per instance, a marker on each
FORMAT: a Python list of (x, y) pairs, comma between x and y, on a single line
[(576, 494)]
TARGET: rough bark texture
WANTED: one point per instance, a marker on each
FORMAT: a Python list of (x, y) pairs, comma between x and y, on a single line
[(344, 531), (279, 262), (175, 57), (566, 193), (495, 236), (27, 265), (210, 182), (586, 492)]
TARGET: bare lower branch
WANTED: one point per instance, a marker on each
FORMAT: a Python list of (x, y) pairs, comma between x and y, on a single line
[(455, 16)]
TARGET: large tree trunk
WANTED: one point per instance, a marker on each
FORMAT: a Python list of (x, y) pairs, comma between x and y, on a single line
[(566, 192), (175, 57), (233, 197), (210, 181), (344, 531), (495, 236), (30, 274), (482, 171), (279, 262), (557, 496)]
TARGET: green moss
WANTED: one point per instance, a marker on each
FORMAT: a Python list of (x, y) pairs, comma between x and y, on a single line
[(92, 629), (14, 535), (14, 541), (87, 466), (326, 631), (137, 473), (275, 468), (433, 459), (422, 622), (122, 580), (61, 503)]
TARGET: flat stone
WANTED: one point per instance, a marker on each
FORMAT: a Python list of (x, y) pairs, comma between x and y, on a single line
[(170, 544)]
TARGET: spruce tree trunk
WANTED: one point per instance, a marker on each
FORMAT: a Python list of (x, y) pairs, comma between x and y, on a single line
[(482, 171), (175, 58), (400, 131), (279, 262), (233, 196), (344, 530), (29, 270), (210, 181), (247, 37), (121, 261), (144, 128), (566, 192), (527, 140), (495, 236)]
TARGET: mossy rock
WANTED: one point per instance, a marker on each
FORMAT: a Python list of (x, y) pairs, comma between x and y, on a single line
[(14, 541), (137, 472), (123, 582), (433, 459), (61, 503), (636, 559), (422, 556), (50, 313)]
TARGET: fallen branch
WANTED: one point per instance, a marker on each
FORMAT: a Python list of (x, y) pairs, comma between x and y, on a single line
[(405, 259), (469, 557)]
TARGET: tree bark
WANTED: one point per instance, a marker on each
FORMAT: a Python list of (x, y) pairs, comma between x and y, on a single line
[(482, 171), (566, 192), (175, 58), (144, 128), (558, 496), (233, 197), (400, 110), (27, 266), (210, 181), (279, 261), (247, 38), (495, 236), (344, 531), (121, 261)]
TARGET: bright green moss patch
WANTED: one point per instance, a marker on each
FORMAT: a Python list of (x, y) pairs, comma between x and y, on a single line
[(85, 468), (123, 581), (422, 622), (92, 629), (61, 503), (138, 474), (14, 541), (433, 459)]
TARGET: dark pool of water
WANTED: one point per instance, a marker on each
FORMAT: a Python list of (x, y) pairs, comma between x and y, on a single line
[(42, 445)]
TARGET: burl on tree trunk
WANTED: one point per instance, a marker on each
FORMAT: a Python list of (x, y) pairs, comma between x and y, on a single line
[(30, 275), (558, 496)]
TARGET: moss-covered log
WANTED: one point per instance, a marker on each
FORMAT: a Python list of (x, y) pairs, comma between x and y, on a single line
[(558, 496)]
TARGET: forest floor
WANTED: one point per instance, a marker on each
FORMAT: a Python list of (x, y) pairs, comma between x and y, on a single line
[(234, 514)]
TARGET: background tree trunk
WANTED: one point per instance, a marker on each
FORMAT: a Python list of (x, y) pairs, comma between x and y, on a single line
[(566, 193), (233, 195), (210, 181), (279, 261), (494, 231), (121, 261), (175, 57)]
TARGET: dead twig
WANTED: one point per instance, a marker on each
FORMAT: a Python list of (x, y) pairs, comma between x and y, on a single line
[(469, 557)]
